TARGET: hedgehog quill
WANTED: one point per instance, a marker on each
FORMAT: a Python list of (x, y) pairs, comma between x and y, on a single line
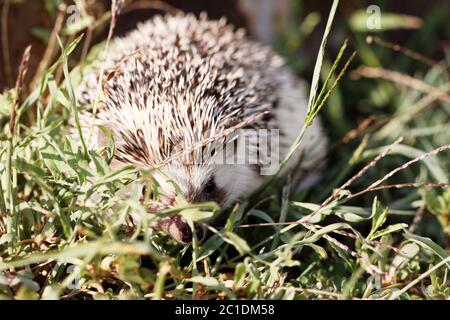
[(179, 80)]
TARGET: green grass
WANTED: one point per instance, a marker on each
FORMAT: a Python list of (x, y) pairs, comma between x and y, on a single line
[(65, 232)]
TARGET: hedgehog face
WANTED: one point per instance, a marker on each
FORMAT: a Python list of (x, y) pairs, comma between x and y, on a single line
[(223, 184), (196, 183)]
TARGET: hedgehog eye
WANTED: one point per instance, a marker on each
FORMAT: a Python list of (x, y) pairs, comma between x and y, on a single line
[(210, 186)]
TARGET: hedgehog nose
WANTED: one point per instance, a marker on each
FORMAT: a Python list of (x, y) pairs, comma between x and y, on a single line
[(177, 227), (186, 233)]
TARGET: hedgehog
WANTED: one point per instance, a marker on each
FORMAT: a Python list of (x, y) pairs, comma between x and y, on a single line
[(175, 84)]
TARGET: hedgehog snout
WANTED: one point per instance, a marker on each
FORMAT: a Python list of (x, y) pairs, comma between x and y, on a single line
[(177, 227)]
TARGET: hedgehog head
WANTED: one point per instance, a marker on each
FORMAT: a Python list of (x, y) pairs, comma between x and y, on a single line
[(182, 134)]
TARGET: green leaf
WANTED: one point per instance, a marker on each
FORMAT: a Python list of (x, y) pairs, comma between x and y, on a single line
[(321, 251), (325, 230), (210, 246), (71, 92), (196, 214), (239, 274), (236, 241), (213, 284), (428, 244), (389, 229), (79, 25), (207, 281), (127, 172), (235, 216), (388, 21), (81, 250), (26, 293), (41, 33), (320, 55), (407, 252), (343, 255), (379, 216), (55, 159), (69, 49), (6, 100)]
